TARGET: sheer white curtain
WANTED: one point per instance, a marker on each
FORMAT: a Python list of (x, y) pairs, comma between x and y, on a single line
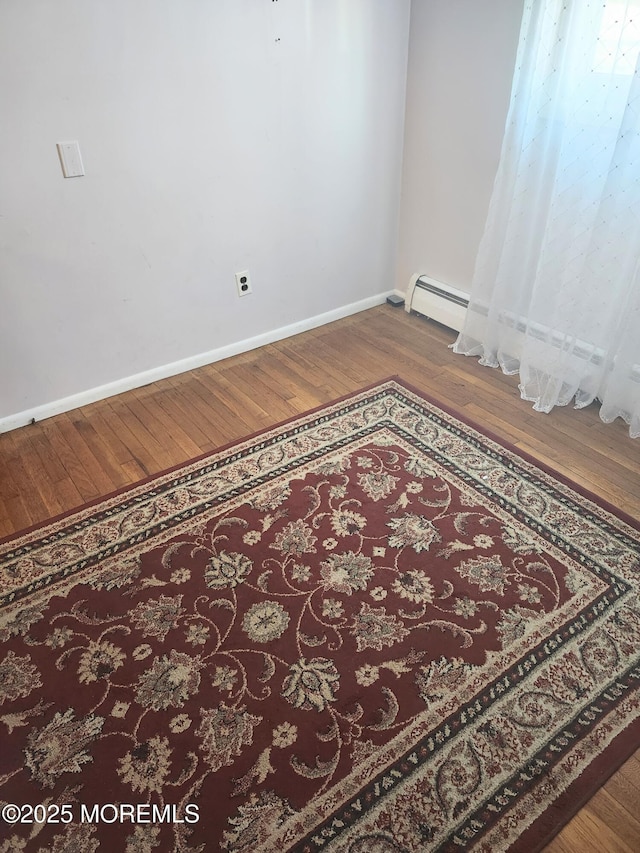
[(556, 289)]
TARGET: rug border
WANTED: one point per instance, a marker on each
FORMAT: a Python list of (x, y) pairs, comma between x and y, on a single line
[(573, 799), (603, 503), (585, 492)]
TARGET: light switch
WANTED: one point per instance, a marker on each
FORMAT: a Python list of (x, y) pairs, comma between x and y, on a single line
[(71, 159)]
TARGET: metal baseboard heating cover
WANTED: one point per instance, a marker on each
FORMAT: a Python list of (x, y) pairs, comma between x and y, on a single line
[(438, 301)]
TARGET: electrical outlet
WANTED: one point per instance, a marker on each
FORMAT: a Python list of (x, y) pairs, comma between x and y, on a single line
[(243, 283)]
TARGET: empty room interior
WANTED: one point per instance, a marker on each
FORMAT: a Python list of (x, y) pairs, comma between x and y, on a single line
[(217, 218)]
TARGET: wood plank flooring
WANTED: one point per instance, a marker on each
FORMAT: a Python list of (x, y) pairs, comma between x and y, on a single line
[(59, 464)]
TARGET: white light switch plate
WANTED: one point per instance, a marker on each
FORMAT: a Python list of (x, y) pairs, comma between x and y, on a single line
[(71, 159)]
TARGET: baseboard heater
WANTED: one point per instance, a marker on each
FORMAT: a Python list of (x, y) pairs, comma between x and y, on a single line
[(438, 301)]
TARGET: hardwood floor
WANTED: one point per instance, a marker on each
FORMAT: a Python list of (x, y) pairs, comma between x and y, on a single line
[(58, 464)]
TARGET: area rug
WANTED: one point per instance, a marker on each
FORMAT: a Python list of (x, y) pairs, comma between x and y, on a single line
[(372, 628)]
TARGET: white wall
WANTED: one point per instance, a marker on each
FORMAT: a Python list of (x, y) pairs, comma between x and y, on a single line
[(217, 135), (461, 60)]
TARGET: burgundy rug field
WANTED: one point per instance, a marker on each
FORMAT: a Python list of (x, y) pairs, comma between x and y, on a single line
[(373, 628)]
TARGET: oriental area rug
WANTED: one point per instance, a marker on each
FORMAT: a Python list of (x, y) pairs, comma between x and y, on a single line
[(372, 628)]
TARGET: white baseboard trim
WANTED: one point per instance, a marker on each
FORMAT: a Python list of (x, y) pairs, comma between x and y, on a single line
[(127, 383)]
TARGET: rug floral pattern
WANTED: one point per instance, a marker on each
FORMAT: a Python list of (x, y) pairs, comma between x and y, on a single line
[(372, 629)]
